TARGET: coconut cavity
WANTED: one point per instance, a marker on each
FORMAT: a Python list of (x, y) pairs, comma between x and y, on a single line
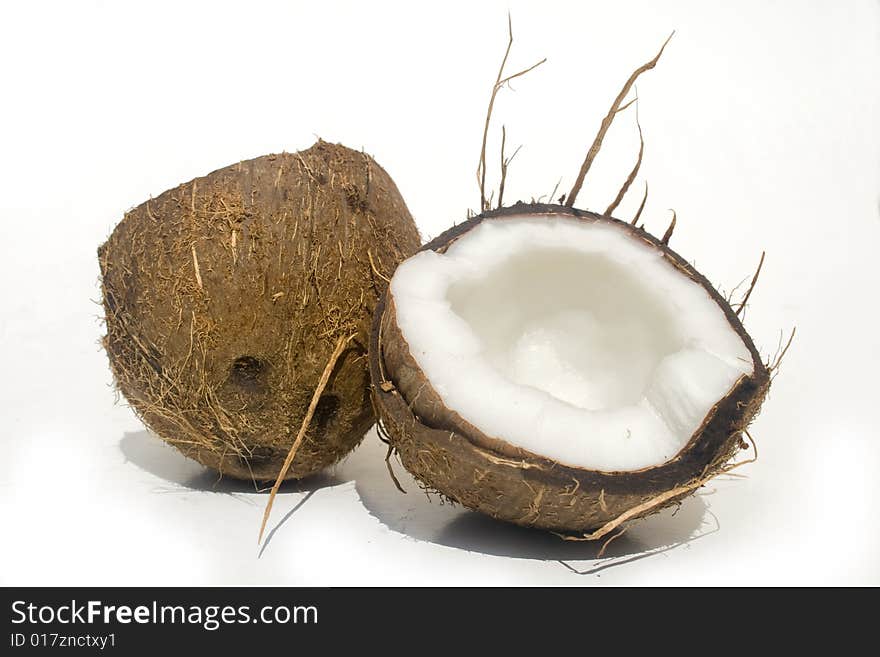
[(597, 351), (224, 299), (560, 369)]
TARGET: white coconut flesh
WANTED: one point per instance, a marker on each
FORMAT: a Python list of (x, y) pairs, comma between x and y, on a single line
[(574, 340)]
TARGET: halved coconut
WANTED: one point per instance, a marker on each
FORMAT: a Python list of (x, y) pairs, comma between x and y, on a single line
[(559, 369)]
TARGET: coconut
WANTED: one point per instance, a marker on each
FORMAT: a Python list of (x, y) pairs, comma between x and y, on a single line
[(560, 369), (225, 297)]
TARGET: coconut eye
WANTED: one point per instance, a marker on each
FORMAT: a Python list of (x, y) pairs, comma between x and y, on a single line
[(325, 411), (247, 371)]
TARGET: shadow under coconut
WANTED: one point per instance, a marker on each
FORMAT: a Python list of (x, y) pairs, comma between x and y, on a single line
[(148, 452), (428, 518)]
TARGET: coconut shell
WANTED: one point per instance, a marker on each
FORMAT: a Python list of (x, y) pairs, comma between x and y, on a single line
[(225, 296), (485, 473)]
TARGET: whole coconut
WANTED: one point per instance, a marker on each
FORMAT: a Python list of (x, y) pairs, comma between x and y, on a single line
[(225, 296)]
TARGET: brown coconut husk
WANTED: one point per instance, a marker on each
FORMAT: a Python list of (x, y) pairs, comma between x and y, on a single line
[(485, 473), (225, 297)]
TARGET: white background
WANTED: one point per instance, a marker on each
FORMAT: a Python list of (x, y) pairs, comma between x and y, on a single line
[(761, 125)]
